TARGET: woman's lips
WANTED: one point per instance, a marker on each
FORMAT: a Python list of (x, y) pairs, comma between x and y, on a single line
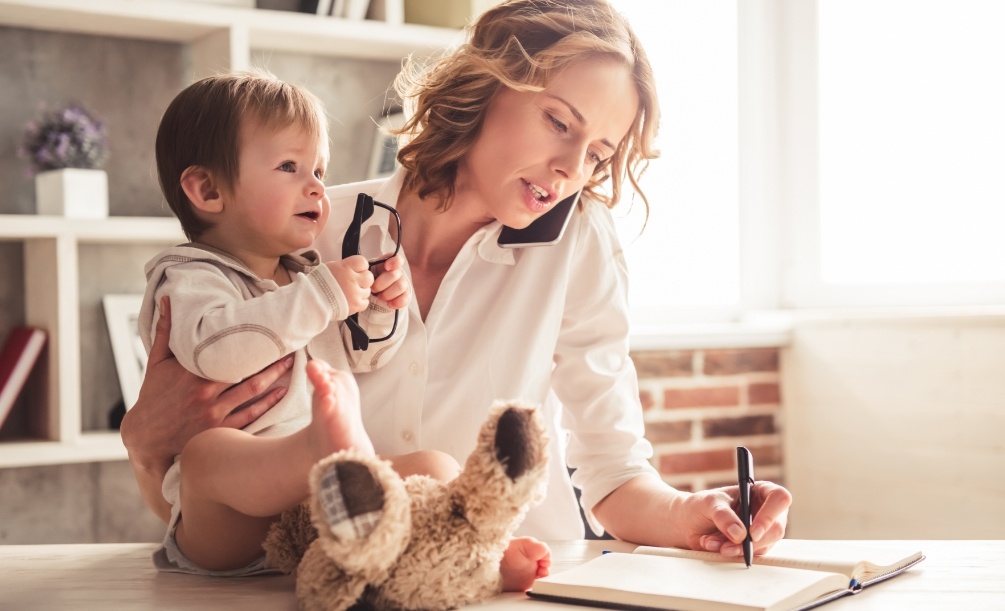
[(533, 200)]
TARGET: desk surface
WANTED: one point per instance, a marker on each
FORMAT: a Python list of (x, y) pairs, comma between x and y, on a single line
[(113, 577)]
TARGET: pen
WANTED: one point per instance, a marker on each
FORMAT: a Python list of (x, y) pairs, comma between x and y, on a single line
[(745, 476)]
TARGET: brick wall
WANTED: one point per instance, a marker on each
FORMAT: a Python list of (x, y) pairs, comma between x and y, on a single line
[(700, 404)]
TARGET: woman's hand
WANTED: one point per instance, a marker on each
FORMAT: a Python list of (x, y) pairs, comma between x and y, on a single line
[(716, 527), (174, 405), (647, 511)]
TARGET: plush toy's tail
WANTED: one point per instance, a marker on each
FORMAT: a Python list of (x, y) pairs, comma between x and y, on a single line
[(290, 537)]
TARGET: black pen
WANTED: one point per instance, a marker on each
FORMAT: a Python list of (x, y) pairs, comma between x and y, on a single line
[(745, 476)]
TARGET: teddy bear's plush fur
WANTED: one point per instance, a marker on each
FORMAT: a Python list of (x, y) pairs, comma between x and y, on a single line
[(367, 536)]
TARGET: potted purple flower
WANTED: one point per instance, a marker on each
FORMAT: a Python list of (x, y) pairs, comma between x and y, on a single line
[(65, 149)]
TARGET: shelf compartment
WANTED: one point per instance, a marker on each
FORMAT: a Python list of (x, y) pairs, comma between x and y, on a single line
[(275, 30), (52, 247), (88, 447)]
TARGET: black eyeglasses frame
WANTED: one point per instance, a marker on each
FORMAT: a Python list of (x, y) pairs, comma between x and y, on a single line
[(350, 246)]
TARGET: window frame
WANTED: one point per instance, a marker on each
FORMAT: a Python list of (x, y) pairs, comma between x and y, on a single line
[(781, 92), (779, 192)]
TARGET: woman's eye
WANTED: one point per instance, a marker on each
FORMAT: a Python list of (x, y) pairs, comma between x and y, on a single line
[(602, 165), (595, 158), (558, 125)]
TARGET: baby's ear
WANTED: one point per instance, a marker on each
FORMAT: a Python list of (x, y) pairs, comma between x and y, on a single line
[(202, 189)]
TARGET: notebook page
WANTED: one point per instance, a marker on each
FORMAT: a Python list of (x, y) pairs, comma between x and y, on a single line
[(861, 562), (688, 585)]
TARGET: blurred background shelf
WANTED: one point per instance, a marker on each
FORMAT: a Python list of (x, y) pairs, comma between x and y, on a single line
[(68, 264), (221, 32), (54, 426)]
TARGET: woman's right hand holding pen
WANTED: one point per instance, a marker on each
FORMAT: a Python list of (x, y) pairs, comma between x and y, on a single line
[(646, 511), (724, 531)]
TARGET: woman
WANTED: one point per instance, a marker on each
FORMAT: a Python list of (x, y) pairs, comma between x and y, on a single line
[(548, 98)]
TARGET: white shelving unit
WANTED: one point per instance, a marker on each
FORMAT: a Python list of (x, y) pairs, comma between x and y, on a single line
[(51, 292), (222, 38)]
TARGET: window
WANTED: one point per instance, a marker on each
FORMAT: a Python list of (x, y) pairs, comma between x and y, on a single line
[(821, 153), (910, 138)]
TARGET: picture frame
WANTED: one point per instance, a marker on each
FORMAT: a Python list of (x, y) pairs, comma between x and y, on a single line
[(383, 157), (122, 317)]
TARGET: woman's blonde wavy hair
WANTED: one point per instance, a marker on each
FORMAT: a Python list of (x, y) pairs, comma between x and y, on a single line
[(520, 44)]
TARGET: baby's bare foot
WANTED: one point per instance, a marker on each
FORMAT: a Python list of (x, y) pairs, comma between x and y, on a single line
[(336, 421), (525, 560)]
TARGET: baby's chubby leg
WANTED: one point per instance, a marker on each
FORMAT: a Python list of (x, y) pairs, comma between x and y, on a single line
[(437, 465), (524, 560), (234, 484), (264, 476)]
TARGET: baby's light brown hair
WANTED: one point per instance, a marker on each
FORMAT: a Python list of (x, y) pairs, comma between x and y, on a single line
[(203, 125)]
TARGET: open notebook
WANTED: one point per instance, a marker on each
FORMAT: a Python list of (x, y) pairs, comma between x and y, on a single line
[(796, 574)]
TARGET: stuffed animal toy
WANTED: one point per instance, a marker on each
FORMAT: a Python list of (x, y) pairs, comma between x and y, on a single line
[(374, 539)]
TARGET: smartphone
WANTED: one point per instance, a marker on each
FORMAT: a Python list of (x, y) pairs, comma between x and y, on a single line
[(547, 229)]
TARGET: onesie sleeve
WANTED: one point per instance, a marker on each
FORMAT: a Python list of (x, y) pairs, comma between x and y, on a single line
[(220, 332)]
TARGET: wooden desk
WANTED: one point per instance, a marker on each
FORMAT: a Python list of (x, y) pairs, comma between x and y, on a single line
[(956, 575)]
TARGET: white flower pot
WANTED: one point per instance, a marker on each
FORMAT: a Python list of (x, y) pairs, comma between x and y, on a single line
[(73, 193)]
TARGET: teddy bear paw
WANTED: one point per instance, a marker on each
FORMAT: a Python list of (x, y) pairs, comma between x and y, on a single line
[(351, 499), (361, 513)]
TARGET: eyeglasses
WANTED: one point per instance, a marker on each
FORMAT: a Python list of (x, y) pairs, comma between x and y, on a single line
[(368, 236)]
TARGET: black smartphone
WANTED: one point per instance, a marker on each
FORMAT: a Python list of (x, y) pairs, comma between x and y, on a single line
[(548, 229)]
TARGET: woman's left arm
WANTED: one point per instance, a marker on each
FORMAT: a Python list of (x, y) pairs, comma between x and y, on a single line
[(598, 385)]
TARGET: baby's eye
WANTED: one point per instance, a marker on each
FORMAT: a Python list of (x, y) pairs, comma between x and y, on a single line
[(319, 173), (288, 166)]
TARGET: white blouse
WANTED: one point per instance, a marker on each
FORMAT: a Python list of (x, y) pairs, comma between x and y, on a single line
[(545, 325)]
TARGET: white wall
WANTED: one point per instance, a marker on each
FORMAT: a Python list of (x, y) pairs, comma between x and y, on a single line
[(895, 426)]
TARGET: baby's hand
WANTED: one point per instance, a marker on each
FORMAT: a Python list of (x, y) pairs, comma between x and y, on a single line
[(391, 285), (525, 560), (355, 279)]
